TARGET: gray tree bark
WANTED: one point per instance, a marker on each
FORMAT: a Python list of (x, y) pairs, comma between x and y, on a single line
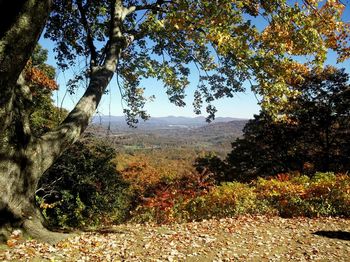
[(19, 36), (24, 158)]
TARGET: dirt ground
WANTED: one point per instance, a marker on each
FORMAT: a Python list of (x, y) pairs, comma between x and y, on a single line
[(247, 238)]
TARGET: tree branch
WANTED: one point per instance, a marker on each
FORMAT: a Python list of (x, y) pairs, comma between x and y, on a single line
[(89, 37), (157, 6), (51, 145)]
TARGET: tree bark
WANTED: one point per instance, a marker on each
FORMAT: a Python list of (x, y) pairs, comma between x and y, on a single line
[(23, 158), (18, 38)]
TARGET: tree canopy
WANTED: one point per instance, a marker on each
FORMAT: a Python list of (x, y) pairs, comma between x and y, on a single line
[(227, 42), (316, 137)]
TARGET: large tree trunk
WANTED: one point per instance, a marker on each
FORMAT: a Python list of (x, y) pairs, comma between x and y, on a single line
[(24, 158), (18, 209), (19, 34)]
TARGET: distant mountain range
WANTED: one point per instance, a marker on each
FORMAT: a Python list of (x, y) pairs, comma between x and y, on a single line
[(169, 122), (169, 132)]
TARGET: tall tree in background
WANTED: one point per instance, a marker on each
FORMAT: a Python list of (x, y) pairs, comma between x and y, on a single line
[(322, 115), (138, 39), (316, 137), (267, 148)]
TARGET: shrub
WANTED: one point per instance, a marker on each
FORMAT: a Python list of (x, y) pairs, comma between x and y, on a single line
[(287, 195), (325, 194), (228, 199), (83, 188), (164, 202)]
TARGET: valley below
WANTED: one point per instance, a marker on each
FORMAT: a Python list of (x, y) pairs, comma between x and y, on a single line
[(169, 132)]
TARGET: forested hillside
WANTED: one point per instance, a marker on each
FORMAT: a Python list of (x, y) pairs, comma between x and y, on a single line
[(196, 135)]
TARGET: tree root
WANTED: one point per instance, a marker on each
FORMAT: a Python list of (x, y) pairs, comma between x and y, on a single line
[(34, 229)]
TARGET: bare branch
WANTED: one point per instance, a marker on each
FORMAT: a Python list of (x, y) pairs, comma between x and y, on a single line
[(157, 6), (89, 37)]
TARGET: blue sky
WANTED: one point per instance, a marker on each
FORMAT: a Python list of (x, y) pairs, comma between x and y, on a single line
[(242, 105)]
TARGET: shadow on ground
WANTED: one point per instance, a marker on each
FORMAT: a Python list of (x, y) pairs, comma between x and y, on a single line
[(343, 235)]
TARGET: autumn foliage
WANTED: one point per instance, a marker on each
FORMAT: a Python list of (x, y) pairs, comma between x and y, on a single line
[(142, 187), (186, 196), (39, 77), (292, 195), (158, 179)]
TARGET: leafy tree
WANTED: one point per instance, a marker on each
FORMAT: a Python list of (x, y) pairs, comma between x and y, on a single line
[(138, 39), (323, 117), (267, 148), (210, 162), (316, 138)]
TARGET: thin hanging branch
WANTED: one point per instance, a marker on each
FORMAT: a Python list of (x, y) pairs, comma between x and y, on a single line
[(89, 37)]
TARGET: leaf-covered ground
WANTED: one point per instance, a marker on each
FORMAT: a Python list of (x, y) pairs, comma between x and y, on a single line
[(246, 238)]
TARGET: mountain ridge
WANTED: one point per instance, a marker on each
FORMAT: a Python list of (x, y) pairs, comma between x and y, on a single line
[(168, 121)]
